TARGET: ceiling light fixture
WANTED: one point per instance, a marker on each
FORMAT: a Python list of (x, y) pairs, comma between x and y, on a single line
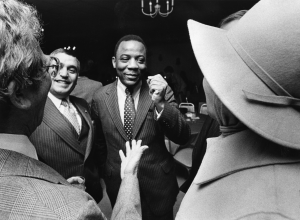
[(157, 8)]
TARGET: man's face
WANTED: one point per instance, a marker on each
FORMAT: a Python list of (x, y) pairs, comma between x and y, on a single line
[(130, 62), (66, 78)]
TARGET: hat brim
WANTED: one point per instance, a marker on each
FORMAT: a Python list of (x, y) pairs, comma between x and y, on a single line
[(228, 76)]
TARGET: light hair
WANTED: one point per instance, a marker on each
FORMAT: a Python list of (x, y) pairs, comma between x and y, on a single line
[(235, 16), (21, 58)]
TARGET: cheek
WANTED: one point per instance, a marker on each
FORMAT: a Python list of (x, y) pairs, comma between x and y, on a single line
[(73, 78), (121, 66), (142, 66)]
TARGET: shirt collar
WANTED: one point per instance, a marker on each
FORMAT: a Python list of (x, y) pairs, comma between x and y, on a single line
[(18, 143), (122, 87), (56, 101)]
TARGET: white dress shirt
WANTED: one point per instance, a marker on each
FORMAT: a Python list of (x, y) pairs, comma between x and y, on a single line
[(122, 97), (135, 95), (57, 103)]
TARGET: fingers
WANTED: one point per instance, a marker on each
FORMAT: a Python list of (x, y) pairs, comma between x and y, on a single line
[(75, 179), (128, 150), (122, 155), (157, 85), (133, 145), (135, 148), (71, 179), (156, 80), (143, 148), (138, 143)]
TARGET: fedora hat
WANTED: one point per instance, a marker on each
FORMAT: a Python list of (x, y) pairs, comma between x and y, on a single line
[(254, 68)]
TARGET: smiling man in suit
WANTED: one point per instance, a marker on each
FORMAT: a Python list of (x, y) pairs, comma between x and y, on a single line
[(133, 107), (64, 139)]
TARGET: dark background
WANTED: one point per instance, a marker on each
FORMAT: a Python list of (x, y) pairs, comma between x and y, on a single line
[(94, 27)]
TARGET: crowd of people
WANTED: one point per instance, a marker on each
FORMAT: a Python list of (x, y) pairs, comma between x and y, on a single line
[(57, 144)]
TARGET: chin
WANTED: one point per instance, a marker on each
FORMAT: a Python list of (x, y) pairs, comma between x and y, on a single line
[(131, 82)]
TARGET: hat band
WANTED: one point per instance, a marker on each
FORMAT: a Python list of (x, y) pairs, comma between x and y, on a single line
[(274, 100), (282, 98)]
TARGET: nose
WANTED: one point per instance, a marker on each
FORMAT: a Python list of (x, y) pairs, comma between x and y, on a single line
[(132, 64), (63, 72)]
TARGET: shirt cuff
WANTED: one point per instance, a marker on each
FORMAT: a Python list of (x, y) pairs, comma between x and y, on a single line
[(158, 114)]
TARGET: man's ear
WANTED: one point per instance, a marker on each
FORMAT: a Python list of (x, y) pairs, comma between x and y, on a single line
[(18, 98), (114, 62)]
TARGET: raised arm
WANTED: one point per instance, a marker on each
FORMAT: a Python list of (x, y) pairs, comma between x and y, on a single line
[(128, 204)]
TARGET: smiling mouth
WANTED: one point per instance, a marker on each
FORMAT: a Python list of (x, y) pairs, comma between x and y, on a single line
[(62, 81), (132, 75)]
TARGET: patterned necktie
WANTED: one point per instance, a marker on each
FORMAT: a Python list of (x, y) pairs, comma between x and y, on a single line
[(129, 114), (70, 114)]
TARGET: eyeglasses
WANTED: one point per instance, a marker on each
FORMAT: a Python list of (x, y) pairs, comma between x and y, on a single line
[(53, 68)]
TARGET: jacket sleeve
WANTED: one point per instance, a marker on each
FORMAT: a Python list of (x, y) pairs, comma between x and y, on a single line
[(173, 123), (128, 204), (90, 211)]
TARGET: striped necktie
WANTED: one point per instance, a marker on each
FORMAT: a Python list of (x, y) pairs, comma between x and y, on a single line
[(70, 114)]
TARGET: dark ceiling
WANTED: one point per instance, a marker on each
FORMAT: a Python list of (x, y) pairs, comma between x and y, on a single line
[(95, 25)]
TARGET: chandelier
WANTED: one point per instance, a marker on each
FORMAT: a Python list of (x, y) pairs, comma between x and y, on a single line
[(157, 8)]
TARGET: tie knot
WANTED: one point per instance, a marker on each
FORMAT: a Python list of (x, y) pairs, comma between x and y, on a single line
[(128, 91), (64, 103)]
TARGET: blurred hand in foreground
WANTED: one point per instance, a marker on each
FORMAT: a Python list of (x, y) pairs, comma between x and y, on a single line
[(77, 181), (131, 161)]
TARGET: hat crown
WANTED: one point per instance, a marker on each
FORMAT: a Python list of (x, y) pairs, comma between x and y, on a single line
[(269, 34)]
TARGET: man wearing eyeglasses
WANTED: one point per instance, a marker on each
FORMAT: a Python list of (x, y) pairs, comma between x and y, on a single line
[(65, 137)]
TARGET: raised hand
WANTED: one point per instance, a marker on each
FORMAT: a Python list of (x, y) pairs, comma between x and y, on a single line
[(131, 161), (158, 87)]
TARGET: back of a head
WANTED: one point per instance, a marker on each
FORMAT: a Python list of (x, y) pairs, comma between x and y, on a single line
[(20, 53), (130, 37), (231, 18)]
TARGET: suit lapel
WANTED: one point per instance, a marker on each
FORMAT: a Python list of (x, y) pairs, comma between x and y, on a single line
[(144, 104), (85, 116), (56, 121), (111, 101)]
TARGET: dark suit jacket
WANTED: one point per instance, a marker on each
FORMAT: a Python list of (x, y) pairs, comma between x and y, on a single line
[(86, 88), (156, 174), (57, 146), (210, 128), (29, 189)]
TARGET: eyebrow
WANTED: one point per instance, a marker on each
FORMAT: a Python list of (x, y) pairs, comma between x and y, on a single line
[(124, 54)]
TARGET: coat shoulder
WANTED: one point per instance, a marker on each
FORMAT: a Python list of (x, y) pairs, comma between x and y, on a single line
[(47, 200), (104, 89)]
